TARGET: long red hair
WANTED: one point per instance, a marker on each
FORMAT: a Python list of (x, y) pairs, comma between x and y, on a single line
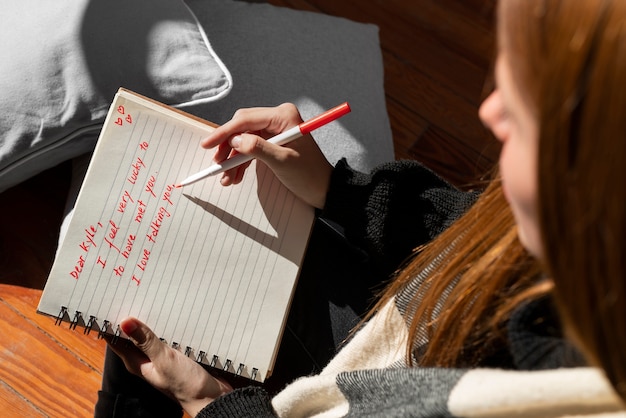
[(570, 60), (478, 272)]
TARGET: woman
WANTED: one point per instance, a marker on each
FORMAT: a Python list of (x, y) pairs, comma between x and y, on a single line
[(473, 311)]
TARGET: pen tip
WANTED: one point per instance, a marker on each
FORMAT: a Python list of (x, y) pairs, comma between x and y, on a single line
[(178, 186)]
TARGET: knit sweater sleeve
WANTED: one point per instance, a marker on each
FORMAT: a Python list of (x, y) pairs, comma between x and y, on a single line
[(250, 402), (392, 210)]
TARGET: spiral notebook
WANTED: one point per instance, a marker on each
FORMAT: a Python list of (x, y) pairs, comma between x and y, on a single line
[(211, 269)]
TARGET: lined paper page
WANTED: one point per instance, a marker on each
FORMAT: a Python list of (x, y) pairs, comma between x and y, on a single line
[(210, 269)]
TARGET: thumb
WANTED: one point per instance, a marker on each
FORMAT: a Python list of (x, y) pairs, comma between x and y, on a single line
[(143, 337), (253, 145)]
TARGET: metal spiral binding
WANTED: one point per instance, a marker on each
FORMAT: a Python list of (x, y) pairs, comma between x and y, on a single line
[(77, 318), (103, 330), (61, 315), (240, 369), (90, 324), (228, 365), (116, 335)]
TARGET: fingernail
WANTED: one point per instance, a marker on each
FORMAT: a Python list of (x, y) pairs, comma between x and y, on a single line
[(235, 141), (206, 139), (129, 327)]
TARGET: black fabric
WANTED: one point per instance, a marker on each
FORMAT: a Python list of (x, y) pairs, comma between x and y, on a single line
[(126, 395), (251, 402), (390, 211), (536, 338)]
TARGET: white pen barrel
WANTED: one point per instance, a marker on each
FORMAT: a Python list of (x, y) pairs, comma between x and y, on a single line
[(280, 139), (287, 136)]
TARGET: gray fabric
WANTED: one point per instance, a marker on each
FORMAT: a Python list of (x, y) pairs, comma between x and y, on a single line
[(405, 392), (316, 61), (63, 61)]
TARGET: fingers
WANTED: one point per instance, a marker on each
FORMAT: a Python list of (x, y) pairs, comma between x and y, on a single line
[(143, 337), (233, 138), (266, 121), (300, 165), (167, 369), (273, 155), (131, 356)]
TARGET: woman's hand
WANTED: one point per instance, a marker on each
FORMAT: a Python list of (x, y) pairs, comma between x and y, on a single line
[(167, 369), (299, 165)]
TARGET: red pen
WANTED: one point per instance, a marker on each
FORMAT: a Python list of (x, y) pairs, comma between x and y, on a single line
[(280, 139)]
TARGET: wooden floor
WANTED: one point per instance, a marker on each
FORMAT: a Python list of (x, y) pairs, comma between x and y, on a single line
[(437, 56)]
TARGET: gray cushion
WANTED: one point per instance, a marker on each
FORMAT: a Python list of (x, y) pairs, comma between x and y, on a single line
[(62, 62)]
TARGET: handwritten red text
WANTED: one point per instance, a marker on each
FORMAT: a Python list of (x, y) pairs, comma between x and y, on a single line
[(78, 267), (155, 225), (90, 233), (144, 260), (135, 169), (111, 236), (129, 246), (141, 209), (121, 207), (150, 185), (167, 195)]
